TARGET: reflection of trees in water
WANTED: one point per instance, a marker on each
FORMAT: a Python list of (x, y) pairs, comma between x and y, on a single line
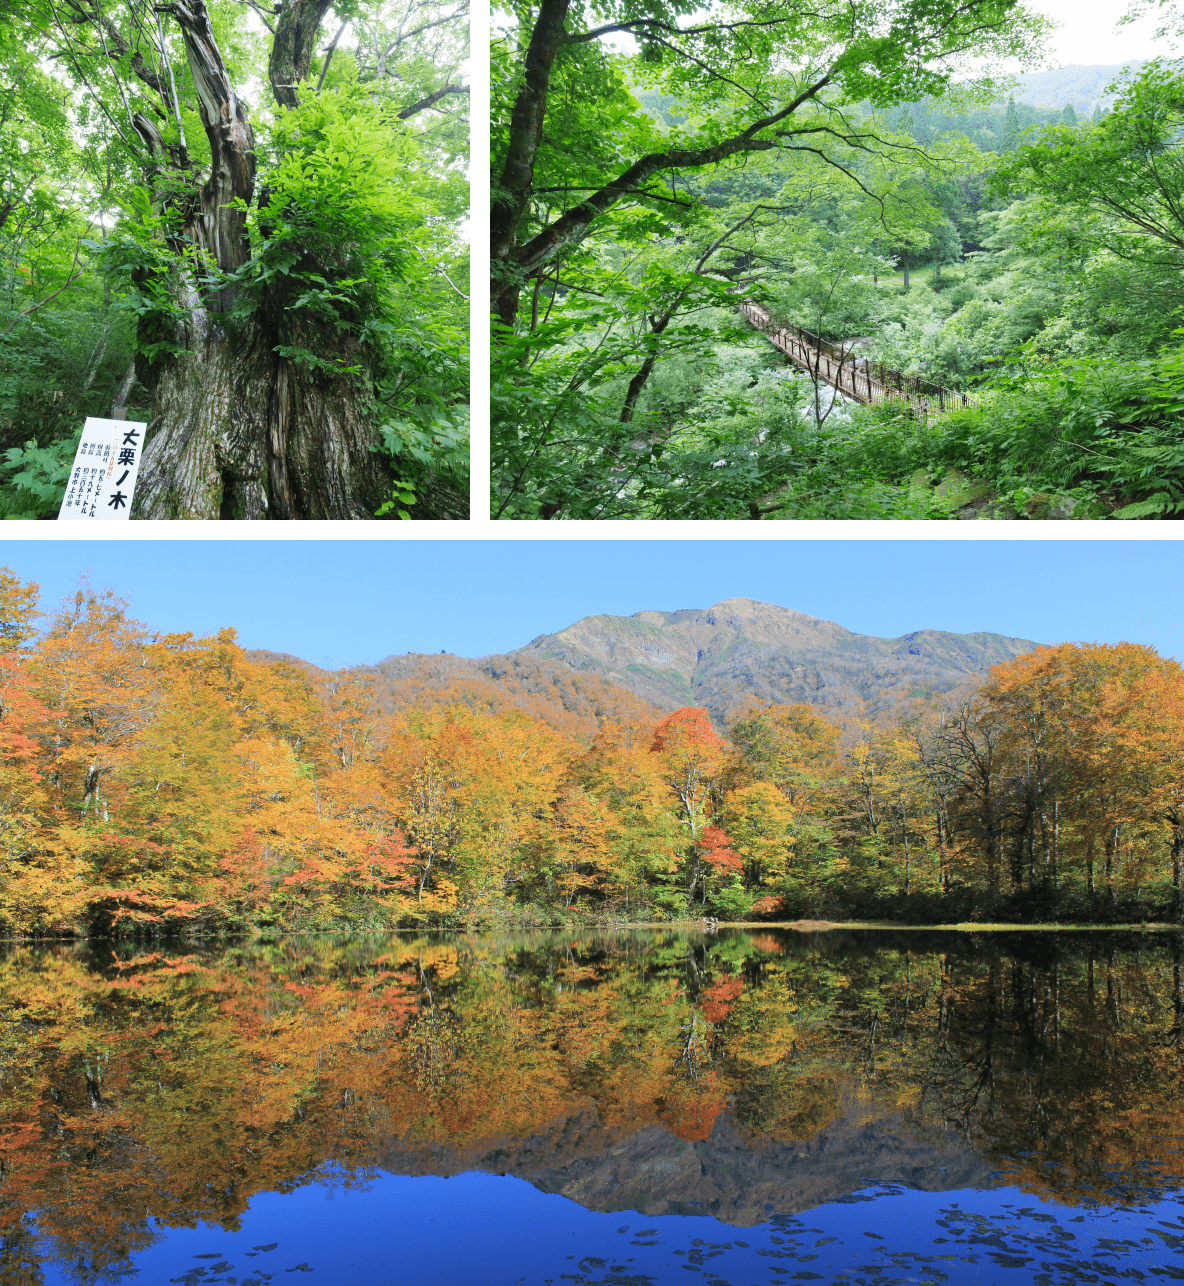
[(695, 1052), (20, 1260), (180, 1087), (1068, 1072), (434, 1052)]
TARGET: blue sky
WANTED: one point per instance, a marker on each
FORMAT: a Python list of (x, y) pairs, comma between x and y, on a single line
[(346, 602)]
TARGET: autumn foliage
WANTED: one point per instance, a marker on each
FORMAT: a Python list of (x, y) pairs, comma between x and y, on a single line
[(155, 1088), (154, 784)]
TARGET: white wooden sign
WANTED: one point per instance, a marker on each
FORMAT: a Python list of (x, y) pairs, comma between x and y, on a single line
[(103, 479)]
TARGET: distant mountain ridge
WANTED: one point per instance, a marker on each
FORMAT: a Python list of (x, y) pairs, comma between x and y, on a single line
[(720, 657), (609, 669), (1081, 85), (575, 703)]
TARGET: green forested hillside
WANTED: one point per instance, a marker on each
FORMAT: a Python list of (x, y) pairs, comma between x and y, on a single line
[(882, 194), (1084, 88)]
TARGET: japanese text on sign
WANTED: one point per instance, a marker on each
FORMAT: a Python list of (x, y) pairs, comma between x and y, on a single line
[(103, 479)]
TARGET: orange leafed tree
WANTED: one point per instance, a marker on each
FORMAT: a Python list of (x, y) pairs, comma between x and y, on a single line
[(159, 783), (692, 756)]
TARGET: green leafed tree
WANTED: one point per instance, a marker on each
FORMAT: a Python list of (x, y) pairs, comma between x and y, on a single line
[(759, 76), (1011, 128), (287, 188), (945, 246), (1126, 171)]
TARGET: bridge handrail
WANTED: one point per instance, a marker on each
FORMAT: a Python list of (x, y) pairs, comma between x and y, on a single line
[(873, 382)]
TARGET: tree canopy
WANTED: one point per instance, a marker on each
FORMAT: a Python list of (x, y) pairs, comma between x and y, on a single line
[(155, 784), (264, 209), (993, 268)]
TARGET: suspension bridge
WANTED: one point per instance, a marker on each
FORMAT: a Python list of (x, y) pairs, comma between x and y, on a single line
[(844, 370)]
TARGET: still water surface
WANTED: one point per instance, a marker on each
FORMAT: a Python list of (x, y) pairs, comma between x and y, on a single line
[(742, 1108)]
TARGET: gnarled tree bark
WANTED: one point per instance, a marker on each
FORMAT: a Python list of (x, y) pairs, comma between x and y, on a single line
[(239, 431)]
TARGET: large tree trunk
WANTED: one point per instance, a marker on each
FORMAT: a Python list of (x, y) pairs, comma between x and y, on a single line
[(239, 431), (291, 51), (526, 133)]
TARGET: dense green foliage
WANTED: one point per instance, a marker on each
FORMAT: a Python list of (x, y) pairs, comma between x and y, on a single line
[(1028, 257), (357, 235)]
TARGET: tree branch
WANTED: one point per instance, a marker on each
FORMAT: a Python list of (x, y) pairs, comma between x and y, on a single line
[(610, 28), (55, 294), (572, 226), (329, 55), (436, 268), (645, 192), (423, 103), (108, 31), (264, 15)]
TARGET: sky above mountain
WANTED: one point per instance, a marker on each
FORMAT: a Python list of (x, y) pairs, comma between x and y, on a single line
[(339, 603), (1088, 32)]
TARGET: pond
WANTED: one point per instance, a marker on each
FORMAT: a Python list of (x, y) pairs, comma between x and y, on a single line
[(633, 1107)]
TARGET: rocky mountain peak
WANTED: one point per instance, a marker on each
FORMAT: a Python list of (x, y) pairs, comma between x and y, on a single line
[(721, 656)]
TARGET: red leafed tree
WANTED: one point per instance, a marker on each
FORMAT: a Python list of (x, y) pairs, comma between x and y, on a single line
[(716, 1002), (713, 849), (690, 750), (687, 731)]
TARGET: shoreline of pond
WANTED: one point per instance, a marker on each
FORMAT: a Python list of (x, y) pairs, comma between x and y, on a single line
[(700, 925)]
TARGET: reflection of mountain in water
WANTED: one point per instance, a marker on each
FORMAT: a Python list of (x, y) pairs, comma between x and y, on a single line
[(670, 1074), (737, 1180), (729, 1175)]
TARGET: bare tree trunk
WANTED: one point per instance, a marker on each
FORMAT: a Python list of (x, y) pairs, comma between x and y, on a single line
[(908, 872), (638, 382), (291, 51), (122, 393), (1056, 843), (1178, 995), (1177, 865)]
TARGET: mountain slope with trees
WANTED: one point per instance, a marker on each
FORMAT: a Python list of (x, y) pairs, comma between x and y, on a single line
[(624, 669), (722, 657), (1083, 87), (874, 190), (578, 705)]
